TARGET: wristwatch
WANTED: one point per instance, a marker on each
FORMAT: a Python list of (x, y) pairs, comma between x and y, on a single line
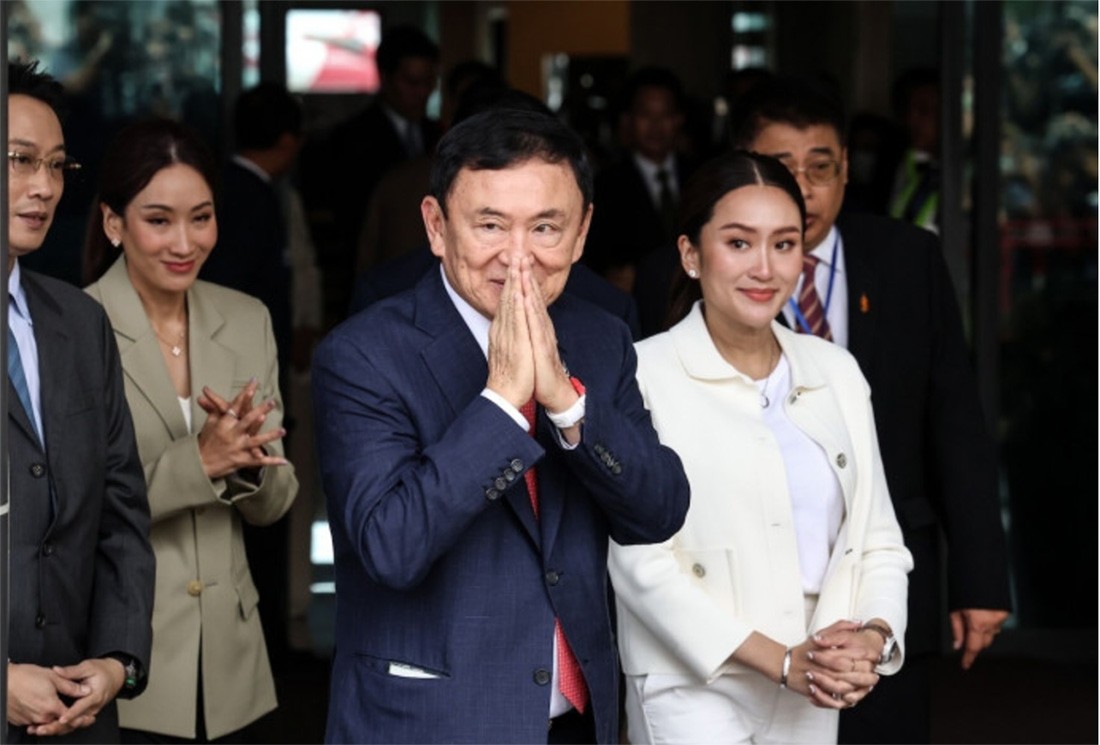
[(134, 683), (889, 642)]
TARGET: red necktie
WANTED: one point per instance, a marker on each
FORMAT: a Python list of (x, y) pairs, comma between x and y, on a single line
[(570, 678), (809, 303)]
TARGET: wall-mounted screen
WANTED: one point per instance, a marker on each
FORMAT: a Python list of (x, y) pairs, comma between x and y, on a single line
[(332, 51)]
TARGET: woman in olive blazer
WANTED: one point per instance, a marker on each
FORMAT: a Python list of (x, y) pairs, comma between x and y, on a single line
[(211, 457)]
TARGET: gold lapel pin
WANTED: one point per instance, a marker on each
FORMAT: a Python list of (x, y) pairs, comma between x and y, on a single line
[(864, 303)]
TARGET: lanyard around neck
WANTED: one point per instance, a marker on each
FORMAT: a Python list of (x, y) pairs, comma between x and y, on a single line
[(828, 293)]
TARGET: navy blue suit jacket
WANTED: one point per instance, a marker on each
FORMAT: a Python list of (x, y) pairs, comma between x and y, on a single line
[(441, 563)]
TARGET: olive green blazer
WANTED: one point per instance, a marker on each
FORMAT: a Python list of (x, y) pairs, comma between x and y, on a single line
[(205, 600)]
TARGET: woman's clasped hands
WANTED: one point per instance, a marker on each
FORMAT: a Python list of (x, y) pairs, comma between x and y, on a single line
[(835, 667), (230, 439)]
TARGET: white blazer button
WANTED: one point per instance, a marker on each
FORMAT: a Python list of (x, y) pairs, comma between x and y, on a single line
[(841, 460), (698, 570)]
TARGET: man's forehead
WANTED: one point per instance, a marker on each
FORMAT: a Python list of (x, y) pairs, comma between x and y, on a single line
[(469, 177), (782, 138)]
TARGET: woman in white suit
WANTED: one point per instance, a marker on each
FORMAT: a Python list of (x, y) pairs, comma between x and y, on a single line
[(202, 384), (784, 595)]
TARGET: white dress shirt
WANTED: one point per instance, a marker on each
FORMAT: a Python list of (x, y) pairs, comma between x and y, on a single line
[(836, 307), (649, 171)]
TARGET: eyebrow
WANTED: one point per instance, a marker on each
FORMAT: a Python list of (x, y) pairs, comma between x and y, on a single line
[(34, 145), (750, 229), (168, 208), (814, 150)]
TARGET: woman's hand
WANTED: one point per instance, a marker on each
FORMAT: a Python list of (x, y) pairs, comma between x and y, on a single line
[(841, 661), (230, 439)]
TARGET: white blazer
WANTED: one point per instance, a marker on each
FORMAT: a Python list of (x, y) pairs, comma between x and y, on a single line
[(686, 604)]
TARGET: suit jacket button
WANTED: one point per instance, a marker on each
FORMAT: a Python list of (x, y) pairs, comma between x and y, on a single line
[(616, 469), (47, 550), (552, 578), (517, 465), (509, 476), (39, 621), (841, 460), (500, 483), (600, 449), (542, 677), (698, 570), (38, 470), (194, 588), (491, 494)]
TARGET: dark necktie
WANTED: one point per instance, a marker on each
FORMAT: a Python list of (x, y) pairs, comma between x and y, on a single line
[(18, 380), (666, 202), (809, 302), (570, 678), (413, 144)]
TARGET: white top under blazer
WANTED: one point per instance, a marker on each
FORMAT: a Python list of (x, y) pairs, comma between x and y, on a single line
[(686, 604)]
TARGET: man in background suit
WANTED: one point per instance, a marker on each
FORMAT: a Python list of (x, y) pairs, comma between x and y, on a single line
[(472, 596), (81, 566), (340, 175), (887, 297), (636, 198)]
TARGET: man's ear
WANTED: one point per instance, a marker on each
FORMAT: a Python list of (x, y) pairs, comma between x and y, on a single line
[(586, 222), (434, 223)]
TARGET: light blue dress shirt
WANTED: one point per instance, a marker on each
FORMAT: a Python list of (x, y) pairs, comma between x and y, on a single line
[(22, 327)]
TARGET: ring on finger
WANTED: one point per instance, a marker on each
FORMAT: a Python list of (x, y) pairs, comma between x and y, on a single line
[(232, 413)]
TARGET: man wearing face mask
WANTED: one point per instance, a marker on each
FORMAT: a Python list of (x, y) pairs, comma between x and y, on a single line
[(481, 437), (82, 569)]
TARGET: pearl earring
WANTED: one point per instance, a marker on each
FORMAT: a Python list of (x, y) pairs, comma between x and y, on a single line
[(116, 242), (693, 274)]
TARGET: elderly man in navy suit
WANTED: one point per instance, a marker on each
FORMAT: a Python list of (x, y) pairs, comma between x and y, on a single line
[(480, 437)]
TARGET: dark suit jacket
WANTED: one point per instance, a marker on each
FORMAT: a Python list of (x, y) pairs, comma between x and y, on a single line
[(625, 222), (340, 179), (402, 272), (906, 333), (81, 565), (440, 561), (251, 254)]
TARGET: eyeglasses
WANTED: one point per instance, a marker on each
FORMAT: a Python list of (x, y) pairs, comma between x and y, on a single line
[(57, 167), (818, 172)]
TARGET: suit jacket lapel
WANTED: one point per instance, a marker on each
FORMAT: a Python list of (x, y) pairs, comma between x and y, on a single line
[(212, 363), (142, 360), (862, 293), (56, 364), (455, 361)]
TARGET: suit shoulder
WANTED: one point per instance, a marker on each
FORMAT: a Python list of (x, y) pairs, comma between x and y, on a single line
[(228, 299), (72, 299), (859, 228)]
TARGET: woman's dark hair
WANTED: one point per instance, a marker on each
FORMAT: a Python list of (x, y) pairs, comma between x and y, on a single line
[(714, 180), (133, 158)]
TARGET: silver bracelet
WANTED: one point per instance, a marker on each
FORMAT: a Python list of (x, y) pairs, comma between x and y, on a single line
[(786, 668)]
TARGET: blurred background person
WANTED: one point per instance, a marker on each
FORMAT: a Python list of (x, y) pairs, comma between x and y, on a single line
[(636, 198), (915, 197), (202, 383), (339, 179), (740, 627)]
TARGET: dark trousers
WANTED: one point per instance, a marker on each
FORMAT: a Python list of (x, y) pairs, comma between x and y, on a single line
[(897, 711)]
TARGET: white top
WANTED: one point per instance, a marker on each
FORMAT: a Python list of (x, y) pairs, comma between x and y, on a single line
[(816, 502), (185, 407)]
